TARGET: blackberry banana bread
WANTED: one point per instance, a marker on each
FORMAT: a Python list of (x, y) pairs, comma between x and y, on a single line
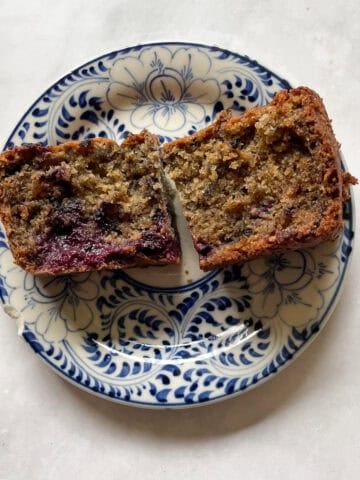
[(264, 182), (87, 205)]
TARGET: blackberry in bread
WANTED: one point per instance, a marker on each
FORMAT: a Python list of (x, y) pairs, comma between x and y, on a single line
[(262, 183), (87, 205)]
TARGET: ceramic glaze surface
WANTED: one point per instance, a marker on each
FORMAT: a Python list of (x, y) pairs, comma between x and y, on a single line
[(171, 336)]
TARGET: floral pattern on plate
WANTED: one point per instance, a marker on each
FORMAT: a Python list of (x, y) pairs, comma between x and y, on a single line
[(164, 91), (129, 336)]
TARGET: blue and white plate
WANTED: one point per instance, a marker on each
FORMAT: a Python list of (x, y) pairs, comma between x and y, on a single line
[(173, 336)]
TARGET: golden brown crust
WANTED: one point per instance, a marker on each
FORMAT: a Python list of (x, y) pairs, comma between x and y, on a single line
[(101, 205), (301, 112)]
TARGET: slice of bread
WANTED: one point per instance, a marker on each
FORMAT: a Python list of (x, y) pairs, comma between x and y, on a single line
[(262, 183), (87, 205)]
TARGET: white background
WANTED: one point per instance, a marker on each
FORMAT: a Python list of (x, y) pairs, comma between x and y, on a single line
[(305, 422)]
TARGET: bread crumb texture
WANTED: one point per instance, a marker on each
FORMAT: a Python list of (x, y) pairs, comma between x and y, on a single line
[(87, 205), (264, 182)]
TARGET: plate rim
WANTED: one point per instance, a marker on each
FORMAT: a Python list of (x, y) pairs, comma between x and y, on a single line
[(326, 314)]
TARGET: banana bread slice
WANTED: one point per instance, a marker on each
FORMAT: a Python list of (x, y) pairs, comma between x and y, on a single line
[(87, 205), (267, 181)]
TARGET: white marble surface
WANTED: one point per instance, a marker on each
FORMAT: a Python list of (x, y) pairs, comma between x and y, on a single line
[(304, 423)]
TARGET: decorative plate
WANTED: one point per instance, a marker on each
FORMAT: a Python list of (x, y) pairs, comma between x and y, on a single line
[(170, 336)]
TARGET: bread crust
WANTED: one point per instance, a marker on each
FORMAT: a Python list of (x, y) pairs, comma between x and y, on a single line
[(129, 253), (314, 127)]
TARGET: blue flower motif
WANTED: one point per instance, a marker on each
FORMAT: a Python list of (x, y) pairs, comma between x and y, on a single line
[(57, 305), (162, 90), (299, 278)]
